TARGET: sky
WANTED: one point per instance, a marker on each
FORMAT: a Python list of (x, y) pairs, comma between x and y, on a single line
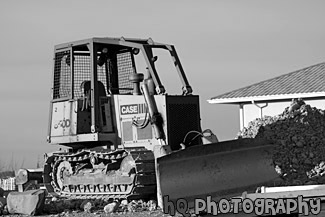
[(223, 45)]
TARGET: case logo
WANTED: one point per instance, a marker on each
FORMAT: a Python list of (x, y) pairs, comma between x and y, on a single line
[(133, 109)]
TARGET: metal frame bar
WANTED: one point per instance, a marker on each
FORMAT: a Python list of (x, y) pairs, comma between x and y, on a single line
[(133, 62), (113, 84), (84, 138), (51, 102), (94, 101), (187, 89), (148, 51), (127, 42), (72, 72), (107, 76), (61, 99)]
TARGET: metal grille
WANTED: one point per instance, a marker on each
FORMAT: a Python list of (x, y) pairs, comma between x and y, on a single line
[(145, 133), (124, 67), (62, 75), (182, 118), (82, 73)]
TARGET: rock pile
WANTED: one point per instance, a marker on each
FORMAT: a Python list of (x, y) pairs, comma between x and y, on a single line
[(299, 134)]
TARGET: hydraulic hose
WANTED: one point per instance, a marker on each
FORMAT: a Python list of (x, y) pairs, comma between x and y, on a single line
[(156, 118)]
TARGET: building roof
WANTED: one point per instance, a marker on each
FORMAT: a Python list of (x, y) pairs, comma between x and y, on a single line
[(304, 83)]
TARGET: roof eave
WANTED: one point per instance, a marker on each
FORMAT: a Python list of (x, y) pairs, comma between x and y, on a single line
[(239, 100)]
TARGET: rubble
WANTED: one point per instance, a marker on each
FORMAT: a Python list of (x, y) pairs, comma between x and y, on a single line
[(299, 134), (111, 207), (87, 206), (1, 192), (124, 202), (68, 207), (141, 205), (27, 203), (3, 202), (2, 206), (152, 205)]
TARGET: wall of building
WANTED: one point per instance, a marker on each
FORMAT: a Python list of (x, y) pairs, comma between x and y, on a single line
[(249, 112), (8, 184)]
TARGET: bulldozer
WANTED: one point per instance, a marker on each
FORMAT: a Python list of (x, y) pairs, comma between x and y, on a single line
[(127, 137)]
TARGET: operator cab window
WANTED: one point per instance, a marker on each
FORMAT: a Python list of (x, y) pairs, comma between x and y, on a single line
[(113, 71)]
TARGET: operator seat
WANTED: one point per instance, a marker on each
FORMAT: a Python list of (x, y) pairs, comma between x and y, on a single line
[(85, 88)]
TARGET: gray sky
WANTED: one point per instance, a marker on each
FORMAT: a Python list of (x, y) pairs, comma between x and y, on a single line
[(223, 45)]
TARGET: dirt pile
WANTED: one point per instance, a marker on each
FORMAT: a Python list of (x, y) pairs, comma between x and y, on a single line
[(299, 134)]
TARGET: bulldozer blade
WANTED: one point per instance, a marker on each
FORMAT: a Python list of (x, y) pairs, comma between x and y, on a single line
[(220, 170)]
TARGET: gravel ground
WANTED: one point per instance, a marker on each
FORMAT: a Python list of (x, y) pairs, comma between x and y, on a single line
[(54, 207), (156, 213)]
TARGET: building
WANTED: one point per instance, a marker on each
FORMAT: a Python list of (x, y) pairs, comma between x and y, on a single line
[(271, 97)]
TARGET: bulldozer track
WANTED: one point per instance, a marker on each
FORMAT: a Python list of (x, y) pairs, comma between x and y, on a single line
[(134, 178)]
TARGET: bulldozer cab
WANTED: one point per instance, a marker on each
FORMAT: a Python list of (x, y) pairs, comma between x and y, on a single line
[(96, 96)]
